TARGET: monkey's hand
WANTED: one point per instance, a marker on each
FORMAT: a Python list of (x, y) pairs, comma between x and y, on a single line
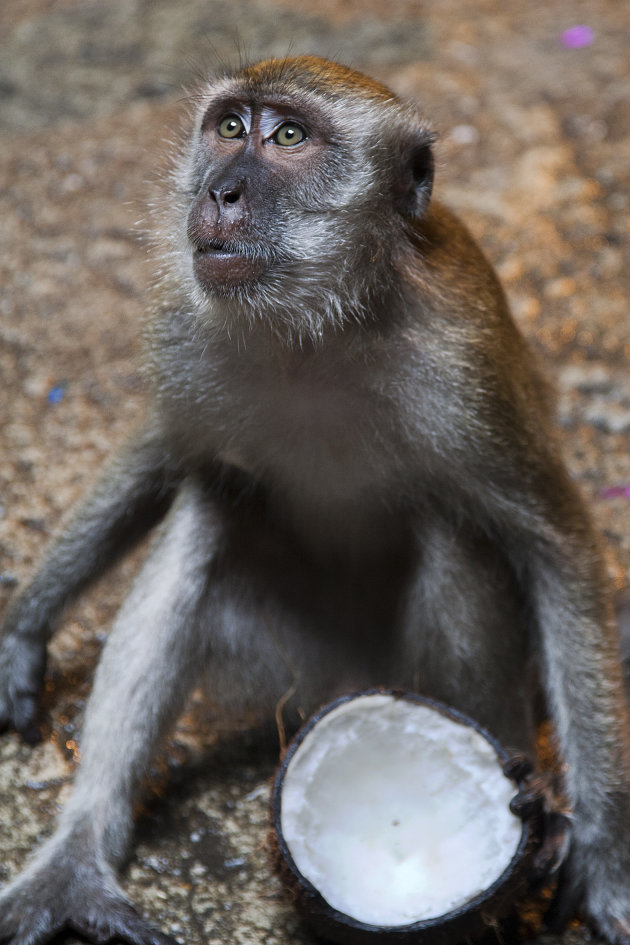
[(22, 666), (67, 889), (539, 797)]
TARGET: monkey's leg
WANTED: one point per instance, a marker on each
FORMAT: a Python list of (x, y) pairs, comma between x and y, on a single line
[(466, 639), (150, 662), (464, 633), (132, 495)]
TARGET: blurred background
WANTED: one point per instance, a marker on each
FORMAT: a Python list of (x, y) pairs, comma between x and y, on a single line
[(532, 103)]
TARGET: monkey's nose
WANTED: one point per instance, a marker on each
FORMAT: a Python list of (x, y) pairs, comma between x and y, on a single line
[(227, 193)]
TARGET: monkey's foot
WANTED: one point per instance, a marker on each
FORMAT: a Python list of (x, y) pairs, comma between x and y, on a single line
[(601, 879), (54, 896), (99, 922), (22, 665)]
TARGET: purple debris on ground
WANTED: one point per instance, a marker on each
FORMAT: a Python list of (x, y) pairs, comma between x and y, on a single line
[(615, 492), (577, 37)]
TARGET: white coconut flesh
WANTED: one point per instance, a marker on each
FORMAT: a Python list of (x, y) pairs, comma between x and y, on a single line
[(397, 813)]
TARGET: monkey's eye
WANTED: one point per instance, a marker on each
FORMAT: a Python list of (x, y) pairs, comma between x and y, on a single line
[(289, 134), (231, 127)]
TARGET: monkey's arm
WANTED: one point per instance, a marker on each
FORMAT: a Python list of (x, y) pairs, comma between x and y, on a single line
[(152, 658), (580, 653), (498, 459), (548, 537), (131, 496)]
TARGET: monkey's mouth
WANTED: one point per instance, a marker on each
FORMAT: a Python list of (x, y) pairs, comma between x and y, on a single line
[(220, 265), (218, 248)]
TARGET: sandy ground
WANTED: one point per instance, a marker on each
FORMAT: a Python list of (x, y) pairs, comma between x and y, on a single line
[(534, 148)]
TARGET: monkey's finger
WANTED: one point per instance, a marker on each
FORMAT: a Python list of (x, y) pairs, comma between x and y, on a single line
[(21, 716), (622, 933), (5, 716), (567, 899), (518, 767), (528, 801), (25, 717), (118, 921), (555, 847), (16, 930)]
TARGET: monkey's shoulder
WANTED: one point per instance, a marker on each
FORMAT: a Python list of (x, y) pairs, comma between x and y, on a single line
[(448, 270), (454, 296)]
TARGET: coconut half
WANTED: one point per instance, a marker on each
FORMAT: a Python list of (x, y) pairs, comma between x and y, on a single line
[(392, 815)]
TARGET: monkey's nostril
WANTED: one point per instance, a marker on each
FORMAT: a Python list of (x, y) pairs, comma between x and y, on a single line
[(223, 195)]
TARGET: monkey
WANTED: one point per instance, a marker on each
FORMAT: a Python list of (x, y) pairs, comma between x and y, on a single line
[(348, 459)]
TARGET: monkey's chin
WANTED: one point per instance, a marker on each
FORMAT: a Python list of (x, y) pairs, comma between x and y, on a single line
[(220, 272)]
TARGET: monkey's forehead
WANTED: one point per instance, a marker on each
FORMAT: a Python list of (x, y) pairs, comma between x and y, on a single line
[(310, 74)]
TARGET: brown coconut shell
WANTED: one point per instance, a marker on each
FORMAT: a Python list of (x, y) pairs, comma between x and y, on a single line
[(466, 923)]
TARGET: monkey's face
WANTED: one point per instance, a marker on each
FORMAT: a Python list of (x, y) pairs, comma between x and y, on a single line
[(255, 158), (302, 176)]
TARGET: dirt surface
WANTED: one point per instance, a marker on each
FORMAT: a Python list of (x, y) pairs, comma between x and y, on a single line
[(535, 138)]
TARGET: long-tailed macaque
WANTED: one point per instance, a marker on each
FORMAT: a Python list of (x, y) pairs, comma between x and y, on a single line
[(350, 447)]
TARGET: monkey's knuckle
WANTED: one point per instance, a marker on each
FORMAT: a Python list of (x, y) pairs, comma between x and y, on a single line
[(518, 767)]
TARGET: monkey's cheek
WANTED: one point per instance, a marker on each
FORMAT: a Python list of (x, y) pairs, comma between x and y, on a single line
[(220, 272)]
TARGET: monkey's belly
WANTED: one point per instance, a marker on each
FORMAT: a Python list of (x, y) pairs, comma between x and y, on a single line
[(287, 625)]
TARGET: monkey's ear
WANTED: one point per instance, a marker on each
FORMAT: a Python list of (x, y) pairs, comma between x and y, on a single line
[(417, 174)]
